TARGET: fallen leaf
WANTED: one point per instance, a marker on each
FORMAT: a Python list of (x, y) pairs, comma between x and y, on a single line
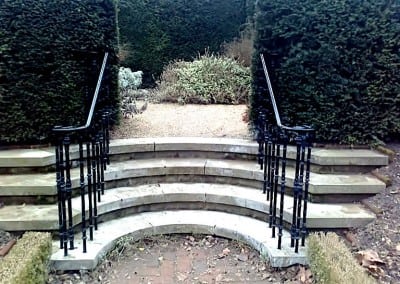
[(141, 249), (369, 257), (376, 270), (351, 238), (243, 257), (304, 276), (226, 251)]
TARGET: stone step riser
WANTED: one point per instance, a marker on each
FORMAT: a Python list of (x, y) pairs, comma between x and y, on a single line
[(323, 160), (177, 170), (131, 200)]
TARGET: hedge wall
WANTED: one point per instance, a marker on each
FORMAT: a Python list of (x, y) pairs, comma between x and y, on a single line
[(47, 50), (334, 64), (159, 31)]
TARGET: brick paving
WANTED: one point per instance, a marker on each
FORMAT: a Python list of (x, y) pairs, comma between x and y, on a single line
[(188, 259)]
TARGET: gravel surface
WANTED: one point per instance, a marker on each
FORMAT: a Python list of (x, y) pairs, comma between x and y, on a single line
[(160, 120)]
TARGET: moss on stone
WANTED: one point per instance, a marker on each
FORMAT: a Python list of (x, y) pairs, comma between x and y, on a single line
[(331, 261), (27, 262)]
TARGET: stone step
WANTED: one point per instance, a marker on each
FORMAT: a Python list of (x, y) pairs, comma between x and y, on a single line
[(250, 231), (323, 160), (134, 172), (185, 196)]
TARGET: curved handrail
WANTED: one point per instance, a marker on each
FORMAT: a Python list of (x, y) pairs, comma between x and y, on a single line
[(93, 105), (274, 105)]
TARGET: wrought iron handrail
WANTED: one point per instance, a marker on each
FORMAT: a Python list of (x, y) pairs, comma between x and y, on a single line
[(92, 106), (274, 105), (94, 136), (273, 141)]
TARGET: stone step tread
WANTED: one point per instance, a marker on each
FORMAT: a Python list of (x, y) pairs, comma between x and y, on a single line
[(27, 184), (45, 156), (253, 232), (40, 217)]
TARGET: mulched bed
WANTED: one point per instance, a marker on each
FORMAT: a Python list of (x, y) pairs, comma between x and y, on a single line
[(383, 235)]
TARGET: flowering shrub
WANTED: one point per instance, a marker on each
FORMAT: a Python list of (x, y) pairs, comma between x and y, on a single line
[(207, 79)]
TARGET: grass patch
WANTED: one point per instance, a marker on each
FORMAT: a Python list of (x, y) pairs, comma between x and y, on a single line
[(27, 262), (331, 261)]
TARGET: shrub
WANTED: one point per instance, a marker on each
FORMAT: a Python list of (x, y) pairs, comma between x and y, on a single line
[(208, 79), (27, 262), (334, 64), (331, 262), (51, 54), (241, 49)]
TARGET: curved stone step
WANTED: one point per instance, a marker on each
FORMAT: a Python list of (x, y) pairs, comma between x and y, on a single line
[(334, 159), (206, 170), (250, 231), (45, 217)]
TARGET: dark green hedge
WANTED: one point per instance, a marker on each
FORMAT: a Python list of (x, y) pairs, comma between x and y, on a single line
[(47, 51), (334, 64), (159, 31)]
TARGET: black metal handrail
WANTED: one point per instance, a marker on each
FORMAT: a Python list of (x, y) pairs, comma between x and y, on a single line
[(92, 106), (273, 140), (94, 135)]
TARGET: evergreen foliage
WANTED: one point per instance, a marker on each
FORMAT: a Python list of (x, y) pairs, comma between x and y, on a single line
[(334, 64), (159, 31), (47, 51)]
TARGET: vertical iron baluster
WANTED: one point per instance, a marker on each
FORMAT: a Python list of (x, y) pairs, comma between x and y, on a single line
[(283, 188), (89, 188), (94, 181), (98, 167), (306, 185), (269, 162), (260, 139), (58, 148), (107, 137), (104, 144), (101, 161), (300, 195), (295, 193), (275, 188), (82, 191), (63, 232), (68, 191), (272, 180)]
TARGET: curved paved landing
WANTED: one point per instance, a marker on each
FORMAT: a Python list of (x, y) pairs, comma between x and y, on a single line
[(253, 232)]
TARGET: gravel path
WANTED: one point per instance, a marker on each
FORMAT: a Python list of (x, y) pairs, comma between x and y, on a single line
[(160, 120)]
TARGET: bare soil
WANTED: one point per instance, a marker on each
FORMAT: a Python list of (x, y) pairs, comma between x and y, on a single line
[(381, 236)]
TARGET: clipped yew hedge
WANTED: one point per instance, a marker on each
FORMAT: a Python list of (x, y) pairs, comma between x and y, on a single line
[(51, 54), (155, 32), (334, 64)]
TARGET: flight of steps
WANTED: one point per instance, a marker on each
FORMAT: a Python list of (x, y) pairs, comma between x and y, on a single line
[(186, 185)]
